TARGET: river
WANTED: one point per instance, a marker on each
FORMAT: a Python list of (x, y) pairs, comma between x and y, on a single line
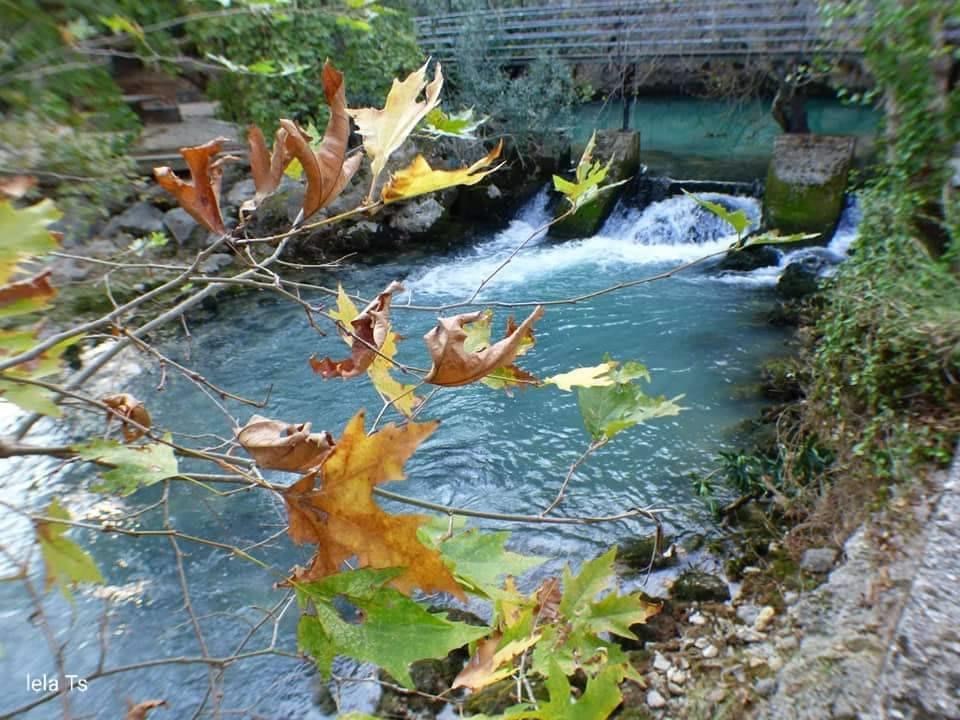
[(702, 334)]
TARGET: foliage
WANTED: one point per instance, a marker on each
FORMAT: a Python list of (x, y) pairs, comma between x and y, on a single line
[(66, 562), (587, 178), (371, 46)]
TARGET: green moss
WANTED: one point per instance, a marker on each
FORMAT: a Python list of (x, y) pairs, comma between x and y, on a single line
[(794, 208)]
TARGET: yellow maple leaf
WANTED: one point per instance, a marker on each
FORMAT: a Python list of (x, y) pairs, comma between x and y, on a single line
[(595, 376), (343, 520), (419, 178), (384, 131)]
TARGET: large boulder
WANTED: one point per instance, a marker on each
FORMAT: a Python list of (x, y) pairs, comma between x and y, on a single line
[(624, 147), (805, 183), (139, 219)]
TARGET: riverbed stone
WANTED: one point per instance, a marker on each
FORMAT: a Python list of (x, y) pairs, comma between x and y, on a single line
[(417, 216), (185, 230), (806, 182), (139, 219), (818, 560), (699, 586), (749, 259), (623, 146), (801, 277)]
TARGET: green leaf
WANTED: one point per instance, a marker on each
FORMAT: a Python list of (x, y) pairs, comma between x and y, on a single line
[(66, 562), (601, 697), (31, 398), (480, 560), (773, 237), (607, 411), (738, 219), (262, 67), (133, 466), (589, 175), (616, 613), (24, 233), (461, 125), (120, 25), (579, 590), (394, 630)]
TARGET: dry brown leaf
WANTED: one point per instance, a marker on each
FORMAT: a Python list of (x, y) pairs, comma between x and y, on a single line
[(454, 365), (327, 168), (489, 665), (131, 409), (384, 131), (200, 196), (276, 445), (141, 709), (343, 520), (267, 168), (37, 287), (548, 601), (370, 330), (16, 186)]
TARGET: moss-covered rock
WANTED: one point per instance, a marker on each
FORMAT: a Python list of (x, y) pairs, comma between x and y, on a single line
[(624, 148), (698, 586), (494, 699), (806, 182)]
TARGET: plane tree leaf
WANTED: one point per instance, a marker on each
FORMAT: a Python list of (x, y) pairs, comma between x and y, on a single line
[(390, 629), (737, 219), (587, 178), (131, 467), (594, 376), (276, 445), (130, 409), (492, 661), (773, 237), (24, 233), (327, 168), (370, 330), (600, 698), (66, 562), (31, 398), (480, 560), (461, 125), (457, 363), (419, 178), (200, 196), (384, 131), (343, 520), (267, 168), (26, 296)]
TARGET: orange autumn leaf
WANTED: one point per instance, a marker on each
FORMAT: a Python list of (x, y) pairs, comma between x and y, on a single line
[(129, 408), (341, 517), (276, 445), (370, 330), (37, 287), (16, 186), (142, 709), (327, 168), (454, 364), (265, 167), (200, 196)]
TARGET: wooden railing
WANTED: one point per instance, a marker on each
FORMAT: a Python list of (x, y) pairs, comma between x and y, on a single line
[(634, 29)]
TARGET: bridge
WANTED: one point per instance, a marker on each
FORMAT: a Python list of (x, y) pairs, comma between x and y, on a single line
[(633, 30)]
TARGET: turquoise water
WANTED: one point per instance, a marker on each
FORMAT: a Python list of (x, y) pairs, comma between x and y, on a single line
[(718, 139), (701, 335)]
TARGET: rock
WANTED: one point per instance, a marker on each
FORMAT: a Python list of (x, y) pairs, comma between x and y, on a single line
[(416, 217), (660, 663), (637, 554), (495, 698), (655, 700), (242, 191), (698, 586), (764, 618), (677, 676), (278, 211), (675, 689), (805, 183), (185, 230), (697, 619), (139, 219), (748, 613), (710, 651), (624, 148), (215, 263), (750, 259), (818, 560), (765, 687), (801, 277)]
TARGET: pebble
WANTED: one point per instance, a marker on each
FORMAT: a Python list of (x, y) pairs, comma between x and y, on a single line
[(764, 618), (748, 613), (751, 636), (790, 597), (818, 560), (675, 689), (684, 663), (775, 663), (655, 700), (717, 696), (710, 651), (697, 619), (660, 663), (788, 644), (701, 642), (678, 677), (766, 686)]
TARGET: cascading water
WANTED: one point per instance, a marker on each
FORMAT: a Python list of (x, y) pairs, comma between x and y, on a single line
[(698, 333)]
